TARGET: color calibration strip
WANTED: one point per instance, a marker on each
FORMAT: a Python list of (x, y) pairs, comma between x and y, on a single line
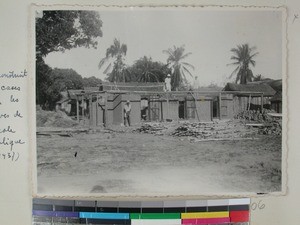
[(222, 211)]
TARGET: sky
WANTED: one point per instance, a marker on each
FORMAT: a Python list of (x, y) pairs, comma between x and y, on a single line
[(208, 34)]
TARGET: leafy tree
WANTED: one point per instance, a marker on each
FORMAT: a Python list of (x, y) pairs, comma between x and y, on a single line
[(119, 72), (43, 72), (116, 69), (59, 31), (180, 68), (145, 70), (91, 81), (60, 80), (243, 58), (62, 30), (258, 77), (66, 79)]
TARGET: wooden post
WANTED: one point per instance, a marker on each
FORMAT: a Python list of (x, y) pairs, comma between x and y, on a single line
[(149, 108), (91, 110), (82, 108), (220, 105), (97, 110), (249, 102), (262, 102), (161, 111), (105, 111), (195, 97), (168, 106), (77, 108)]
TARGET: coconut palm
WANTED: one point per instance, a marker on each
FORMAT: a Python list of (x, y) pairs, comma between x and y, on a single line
[(115, 54), (243, 58), (179, 67), (258, 77), (146, 70)]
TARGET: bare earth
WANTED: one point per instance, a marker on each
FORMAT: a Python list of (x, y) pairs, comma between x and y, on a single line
[(131, 163)]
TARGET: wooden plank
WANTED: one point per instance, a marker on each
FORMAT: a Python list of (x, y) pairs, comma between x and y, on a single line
[(262, 102), (77, 109), (82, 106), (225, 139), (220, 105), (97, 110), (255, 125), (168, 106), (105, 111), (249, 102), (279, 115), (91, 111), (196, 105)]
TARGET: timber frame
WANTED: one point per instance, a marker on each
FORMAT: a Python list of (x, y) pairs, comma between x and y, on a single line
[(97, 107)]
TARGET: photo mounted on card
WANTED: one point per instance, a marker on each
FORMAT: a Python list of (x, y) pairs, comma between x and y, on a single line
[(158, 101)]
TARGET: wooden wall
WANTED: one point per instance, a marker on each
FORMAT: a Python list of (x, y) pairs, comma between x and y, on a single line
[(204, 109), (115, 113), (227, 106), (114, 105), (170, 112)]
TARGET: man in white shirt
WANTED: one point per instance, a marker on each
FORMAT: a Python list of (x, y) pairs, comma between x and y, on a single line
[(196, 83), (168, 83)]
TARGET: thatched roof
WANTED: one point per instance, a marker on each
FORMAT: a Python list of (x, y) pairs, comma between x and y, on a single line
[(209, 89), (73, 93), (275, 84), (255, 89), (277, 97)]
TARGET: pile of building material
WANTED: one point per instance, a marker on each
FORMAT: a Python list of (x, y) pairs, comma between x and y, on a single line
[(185, 130), (265, 121), (151, 128), (255, 115), (275, 128), (222, 130), (54, 119)]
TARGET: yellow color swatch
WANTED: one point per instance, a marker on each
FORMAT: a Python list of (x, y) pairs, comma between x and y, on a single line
[(204, 215)]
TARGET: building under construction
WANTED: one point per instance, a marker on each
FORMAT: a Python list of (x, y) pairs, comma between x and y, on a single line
[(102, 106)]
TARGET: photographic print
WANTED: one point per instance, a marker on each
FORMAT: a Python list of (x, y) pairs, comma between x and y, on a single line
[(159, 101)]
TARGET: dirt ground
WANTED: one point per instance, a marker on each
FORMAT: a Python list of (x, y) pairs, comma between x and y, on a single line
[(134, 163)]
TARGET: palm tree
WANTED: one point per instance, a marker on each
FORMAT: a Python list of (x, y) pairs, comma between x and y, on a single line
[(243, 57), (146, 70), (114, 70), (180, 68), (258, 77)]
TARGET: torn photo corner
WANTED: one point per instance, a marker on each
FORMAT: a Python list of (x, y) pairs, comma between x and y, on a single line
[(158, 101)]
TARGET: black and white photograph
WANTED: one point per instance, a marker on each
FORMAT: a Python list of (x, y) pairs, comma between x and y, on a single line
[(159, 101)]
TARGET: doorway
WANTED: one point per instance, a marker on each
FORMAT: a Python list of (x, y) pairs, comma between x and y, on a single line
[(215, 107), (181, 110)]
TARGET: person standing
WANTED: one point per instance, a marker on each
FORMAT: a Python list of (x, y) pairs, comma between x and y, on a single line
[(144, 107), (168, 83), (127, 110), (196, 83)]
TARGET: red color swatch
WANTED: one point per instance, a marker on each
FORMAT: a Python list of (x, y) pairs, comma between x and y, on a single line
[(239, 216)]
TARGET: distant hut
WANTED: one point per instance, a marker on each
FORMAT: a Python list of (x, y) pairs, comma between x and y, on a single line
[(251, 96), (276, 100)]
